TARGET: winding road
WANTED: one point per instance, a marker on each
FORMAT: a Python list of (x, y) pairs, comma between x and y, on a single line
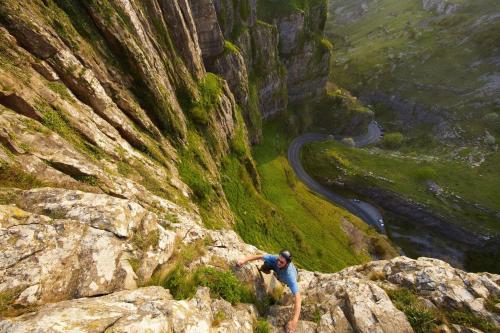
[(363, 210)]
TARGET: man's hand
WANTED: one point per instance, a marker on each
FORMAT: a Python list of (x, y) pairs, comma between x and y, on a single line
[(292, 325), (241, 262)]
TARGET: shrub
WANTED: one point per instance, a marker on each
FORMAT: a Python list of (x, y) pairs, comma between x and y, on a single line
[(465, 317), (261, 326), (420, 318), (491, 117), (425, 173), (326, 44), (230, 47), (223, 284), (349, 142), (210, 91), (393, 140)]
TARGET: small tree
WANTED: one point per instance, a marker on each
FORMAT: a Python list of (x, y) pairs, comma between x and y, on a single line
[(393, 140), (349, 142)]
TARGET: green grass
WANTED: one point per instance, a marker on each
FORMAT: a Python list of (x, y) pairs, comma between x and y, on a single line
[(406, 174), (261, 326), (55, 119), (286, 214), (210, 90), (424, 320), (223, 284), (397, 44)]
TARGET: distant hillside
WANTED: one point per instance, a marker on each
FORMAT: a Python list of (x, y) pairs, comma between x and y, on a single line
[(432, 64)]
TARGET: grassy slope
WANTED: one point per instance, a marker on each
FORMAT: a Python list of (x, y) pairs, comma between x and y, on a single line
[(429, 53), (406, 175), (287, 215)]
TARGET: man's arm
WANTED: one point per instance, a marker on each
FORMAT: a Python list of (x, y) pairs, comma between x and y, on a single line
[(296, 314), (243, 261)]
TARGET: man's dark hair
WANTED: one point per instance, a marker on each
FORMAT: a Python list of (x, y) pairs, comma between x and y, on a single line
[(287, 255)]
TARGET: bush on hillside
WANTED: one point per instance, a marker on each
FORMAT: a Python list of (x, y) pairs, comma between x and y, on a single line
[(349, 142), (425, 173), (393, 140), (491, 117), (222, 284)]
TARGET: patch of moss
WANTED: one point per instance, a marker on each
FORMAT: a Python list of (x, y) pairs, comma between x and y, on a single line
[(261, 326), (60, 89), (55, 119), (230, 47), (14, 176), (210, 91), (7, 297)]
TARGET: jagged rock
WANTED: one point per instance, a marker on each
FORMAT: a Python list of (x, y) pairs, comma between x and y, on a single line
[(272, 87), (291, 30), (234, 13), (231, 66), (209, 32), (82, 245), (148, 309)]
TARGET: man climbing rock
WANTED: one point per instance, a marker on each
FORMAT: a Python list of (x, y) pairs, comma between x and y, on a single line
[(286, 273)]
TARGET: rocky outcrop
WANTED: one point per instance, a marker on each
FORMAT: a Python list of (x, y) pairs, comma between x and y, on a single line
[(442, 7), (209, 32), (305, 53), (150, 309), (267, 66), (107, 251)]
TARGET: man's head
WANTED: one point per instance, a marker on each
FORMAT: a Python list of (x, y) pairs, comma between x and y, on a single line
[(284, 259)]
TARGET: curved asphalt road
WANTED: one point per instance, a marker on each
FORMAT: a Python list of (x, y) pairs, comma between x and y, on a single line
[(363, 210)]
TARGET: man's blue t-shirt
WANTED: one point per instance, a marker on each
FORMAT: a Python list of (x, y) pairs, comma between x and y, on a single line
[(287, 275)]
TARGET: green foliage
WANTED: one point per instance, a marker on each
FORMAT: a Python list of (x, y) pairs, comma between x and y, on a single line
[(425, 173), (393, 140), (466, 318), (422, 320), (210, 90), (7, 297), (55, 119), (219, 317), (487, 37), (326, 45), (230, 47), (348, 142), (60, 89), (192, 174), (223, 284), (261, 326), (239, 142), (145, 242), (404, 174), (491, 117)]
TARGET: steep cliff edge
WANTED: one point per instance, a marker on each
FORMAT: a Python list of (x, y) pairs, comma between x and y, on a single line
[(63, 247)]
